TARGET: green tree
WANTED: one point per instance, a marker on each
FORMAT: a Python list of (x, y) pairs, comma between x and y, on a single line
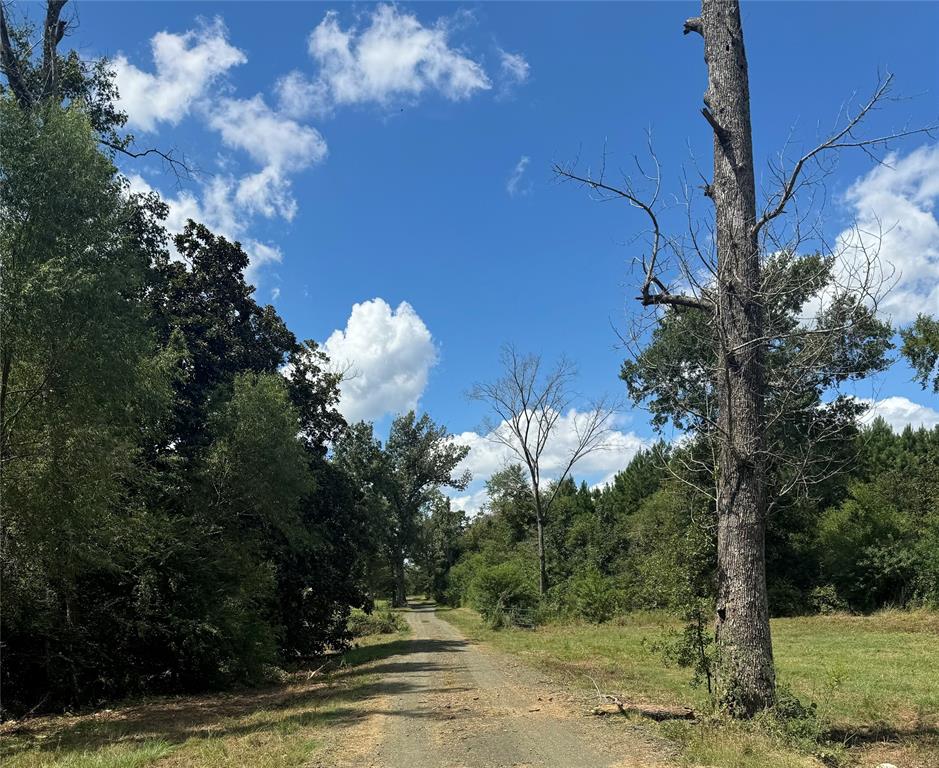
[(420, 458), (81, 380), (359, 457), (440, 545), (204, 305), (921, 348)]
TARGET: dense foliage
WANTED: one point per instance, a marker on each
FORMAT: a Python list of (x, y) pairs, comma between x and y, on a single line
[(867, 540), (173, 515)]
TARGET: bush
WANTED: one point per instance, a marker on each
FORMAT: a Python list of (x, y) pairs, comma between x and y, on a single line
[(505, 594), (785, 599), (593, 597), (381, 621), (826, 600), (796, 721)]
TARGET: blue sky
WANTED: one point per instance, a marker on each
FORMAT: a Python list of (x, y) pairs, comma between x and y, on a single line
[(366, 152)]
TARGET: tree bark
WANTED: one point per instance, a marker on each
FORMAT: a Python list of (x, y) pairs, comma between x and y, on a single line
[(399, 597), (744, 670), (542, 566)]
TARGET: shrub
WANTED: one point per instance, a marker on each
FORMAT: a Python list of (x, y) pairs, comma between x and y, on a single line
[(593, 597), (785, 599), (826, 600), (505, 594), (381, 621), (798, 723)]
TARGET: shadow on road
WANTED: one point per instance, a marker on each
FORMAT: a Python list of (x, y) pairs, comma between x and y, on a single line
[(342, 695)]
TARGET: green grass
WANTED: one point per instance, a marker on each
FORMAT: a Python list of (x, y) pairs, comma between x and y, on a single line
[(873, 679), (280, 726)]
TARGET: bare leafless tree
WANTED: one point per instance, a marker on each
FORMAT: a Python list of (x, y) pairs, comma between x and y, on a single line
[(527, 402), (723, 270)]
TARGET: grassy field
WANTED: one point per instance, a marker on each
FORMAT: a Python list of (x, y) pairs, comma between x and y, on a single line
[(873, 679), (295, 723)]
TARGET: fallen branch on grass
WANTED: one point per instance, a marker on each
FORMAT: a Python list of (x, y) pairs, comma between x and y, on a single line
[(319, 669), (611, 705)]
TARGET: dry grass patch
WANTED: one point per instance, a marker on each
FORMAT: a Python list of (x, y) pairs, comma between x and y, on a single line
[(285, 725), (873, 679)]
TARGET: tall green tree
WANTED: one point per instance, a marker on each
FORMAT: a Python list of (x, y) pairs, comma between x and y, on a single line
[(204, 305), (81, 380), (439, 546), (420, 459)]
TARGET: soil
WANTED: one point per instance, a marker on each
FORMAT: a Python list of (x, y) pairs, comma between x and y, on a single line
[(444, 702)]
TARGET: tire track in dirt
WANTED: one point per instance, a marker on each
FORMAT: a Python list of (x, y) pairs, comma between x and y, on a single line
[(445, 703)]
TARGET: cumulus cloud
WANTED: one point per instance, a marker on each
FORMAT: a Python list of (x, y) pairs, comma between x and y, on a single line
[(471, 503), (216, 208), (899, 412), (394, 56), (389, 354), (298, 96), (277, 142), (894, 208), (268, 137), (488, 456), (185, 65), (513, 185)]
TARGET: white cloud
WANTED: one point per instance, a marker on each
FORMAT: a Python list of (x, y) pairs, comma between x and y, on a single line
[(275, 294), (217, 210), (395, 56), (899, 412), (894, 207), (389, 353), (515, 179), (298, 96), (270, 138), (514, 70), (185, 66), (488, 456), (279, 143), (471, 503)]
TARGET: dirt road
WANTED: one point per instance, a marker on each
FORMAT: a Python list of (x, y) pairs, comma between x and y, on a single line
[(443, 702)]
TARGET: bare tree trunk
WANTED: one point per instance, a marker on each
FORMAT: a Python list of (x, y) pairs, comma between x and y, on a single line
[(542, 567), (744, 672), (399, 597)]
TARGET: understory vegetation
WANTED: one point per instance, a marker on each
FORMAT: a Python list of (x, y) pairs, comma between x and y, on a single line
[(302, 717), (867, 539)]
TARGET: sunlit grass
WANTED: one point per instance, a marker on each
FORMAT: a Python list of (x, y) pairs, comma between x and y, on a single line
[(871, 676), (275, 727)]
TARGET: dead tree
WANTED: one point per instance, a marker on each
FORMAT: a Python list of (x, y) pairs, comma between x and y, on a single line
[(528, 402), (733, 297)]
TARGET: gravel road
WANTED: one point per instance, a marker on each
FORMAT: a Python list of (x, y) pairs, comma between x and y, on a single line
[(443, 702)]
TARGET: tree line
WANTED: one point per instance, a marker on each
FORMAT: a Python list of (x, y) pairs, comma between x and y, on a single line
[(183, 505), (867, 540)]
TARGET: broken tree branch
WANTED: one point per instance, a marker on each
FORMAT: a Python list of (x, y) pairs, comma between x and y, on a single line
[(843, 139)]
